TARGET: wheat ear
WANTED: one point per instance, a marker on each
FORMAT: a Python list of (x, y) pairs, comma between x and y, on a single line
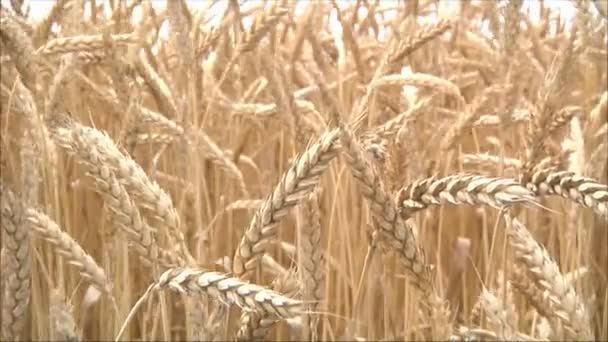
[(421, 37), (311, 261), (260, 27), (16, 297), (540, 266), (583, 190), (396, 234), (145, 192), (400, 236), (83, 43), (226, 290), (63, 325), (296, 183), (124, 213), (159, 89), (462, 190), (249, 297), (255, 326), (69, 248), (536, 296), (497, 315), (20, 47)]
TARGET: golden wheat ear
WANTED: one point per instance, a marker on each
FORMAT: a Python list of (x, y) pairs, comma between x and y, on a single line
[(300, 180), (497, 192), (16, 296), (541, 267), (63, 326), (303, 170), (582, 190), (225, 290)]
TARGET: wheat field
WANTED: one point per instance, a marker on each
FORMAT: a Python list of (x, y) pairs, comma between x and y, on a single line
[(304, 171)]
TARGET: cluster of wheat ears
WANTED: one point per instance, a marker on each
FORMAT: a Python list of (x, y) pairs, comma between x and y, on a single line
[(258, 173)]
